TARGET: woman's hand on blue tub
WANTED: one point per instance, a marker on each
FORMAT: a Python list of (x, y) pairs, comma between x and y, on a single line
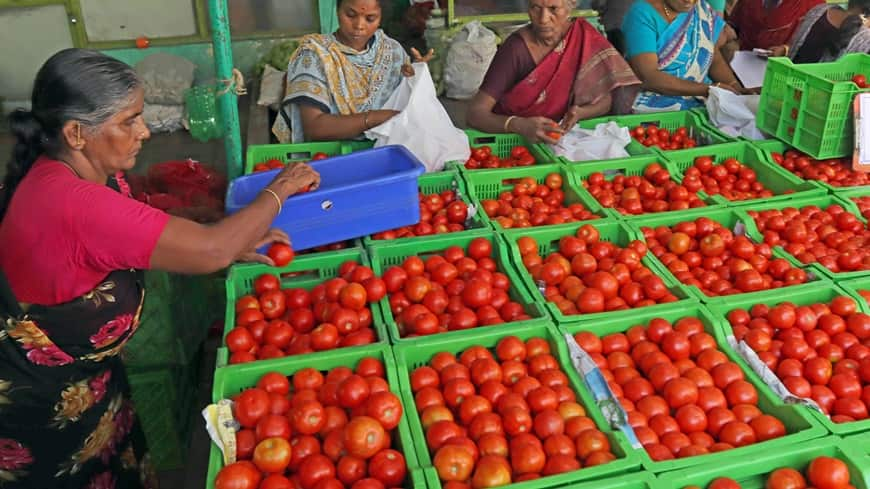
[(295, 178)]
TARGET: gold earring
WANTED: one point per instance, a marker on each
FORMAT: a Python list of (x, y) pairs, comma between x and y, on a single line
[(78, 134)]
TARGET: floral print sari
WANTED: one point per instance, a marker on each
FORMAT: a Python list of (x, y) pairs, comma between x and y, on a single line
[(66, 416)]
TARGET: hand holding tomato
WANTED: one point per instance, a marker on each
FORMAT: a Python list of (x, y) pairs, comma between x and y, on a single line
[(537, 129), (273, 235)]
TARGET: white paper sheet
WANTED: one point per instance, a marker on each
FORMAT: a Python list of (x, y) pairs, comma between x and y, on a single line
[(749, 68), (863, 129)]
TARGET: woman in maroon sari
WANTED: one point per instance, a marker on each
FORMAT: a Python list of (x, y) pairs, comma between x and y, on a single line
[(550, 74)]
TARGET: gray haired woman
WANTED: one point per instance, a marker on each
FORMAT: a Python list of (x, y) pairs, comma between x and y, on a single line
[(71, 288)]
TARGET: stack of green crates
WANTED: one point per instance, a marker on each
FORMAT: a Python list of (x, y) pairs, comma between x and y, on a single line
[(163, 357)]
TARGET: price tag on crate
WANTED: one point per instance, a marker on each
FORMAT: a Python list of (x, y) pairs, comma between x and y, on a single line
[(861, 156)]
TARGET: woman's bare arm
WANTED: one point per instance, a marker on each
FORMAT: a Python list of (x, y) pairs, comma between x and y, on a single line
[(321, 126), (189, 247)]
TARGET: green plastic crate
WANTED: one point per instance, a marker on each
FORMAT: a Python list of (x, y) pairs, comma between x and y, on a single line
[(636, 480), (164, 399), (860, 442), (548, 242), (388, 254), (260, 153), (802, 297), (752, 472), (772, 176), (228, 383), (823, 202), (729, 218), (703, 134), (850, 193), (314, 269), (488, 184), (853, 286), (411, 356), (502, 144), (774, 146), (176, 315), (800, 426), (628, 167), (434, 183), (809, 106)]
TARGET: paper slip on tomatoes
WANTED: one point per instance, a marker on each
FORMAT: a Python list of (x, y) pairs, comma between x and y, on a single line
[(829, 462), (444, 208), (738, 173), (589, 271), (526, 197), (493, 410), (493, 151), (317, 303), (449, 284), (826, 230), (832, 174), (635, 186), (337, 422), (688, 400), (663, 131), (715, 254), (814, 346), (263, 157)]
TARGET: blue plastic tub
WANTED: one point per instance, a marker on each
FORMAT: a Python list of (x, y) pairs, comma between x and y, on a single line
[(360, 194)]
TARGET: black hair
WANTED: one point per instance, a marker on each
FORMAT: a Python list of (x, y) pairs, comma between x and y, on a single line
[(380, 3), (73, 85), (850, 26)]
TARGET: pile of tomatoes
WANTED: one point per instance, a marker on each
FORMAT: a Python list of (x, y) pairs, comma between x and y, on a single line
[(653, 191), (272, 323), (730, 179), (683, 396), (508, 415), (439, 214), (709, 256), (484, 158), (836, 172), (652, 135), (822, 473), (820, 351), (530, 203), (316, 431), (863, 205), (276, 163), (833, 237), (589, 275), (450, 291)]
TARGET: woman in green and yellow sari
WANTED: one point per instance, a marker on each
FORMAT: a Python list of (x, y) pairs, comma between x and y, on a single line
[(337, 83)]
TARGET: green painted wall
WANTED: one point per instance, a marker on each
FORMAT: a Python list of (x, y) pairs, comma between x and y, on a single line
[(246, 53)]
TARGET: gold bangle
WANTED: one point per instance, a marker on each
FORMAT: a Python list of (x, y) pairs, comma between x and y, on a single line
[(277, 199), (507, 123), (786, 49), (366, 120)]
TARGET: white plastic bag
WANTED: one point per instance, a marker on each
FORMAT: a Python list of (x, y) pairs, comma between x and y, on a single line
[(734, 114), (606, 142), (468, 59), (422, 125), (271, 87)]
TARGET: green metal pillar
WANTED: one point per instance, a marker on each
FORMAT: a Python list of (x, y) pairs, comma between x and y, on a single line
[(227, 100)]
